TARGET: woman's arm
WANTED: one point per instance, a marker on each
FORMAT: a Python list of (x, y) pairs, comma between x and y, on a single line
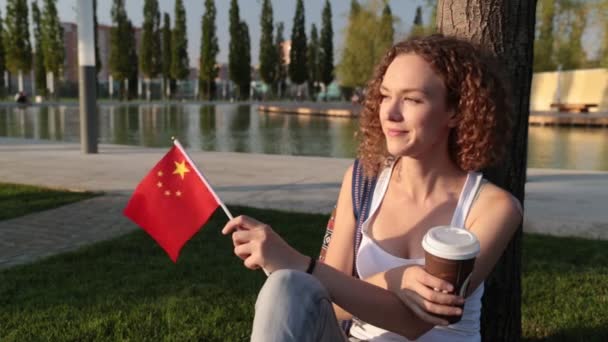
[(494, 218), (339, 253), (259, 246)]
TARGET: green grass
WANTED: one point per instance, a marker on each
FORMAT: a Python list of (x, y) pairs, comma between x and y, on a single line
[(565, 289), (128, 289), (17, 200)]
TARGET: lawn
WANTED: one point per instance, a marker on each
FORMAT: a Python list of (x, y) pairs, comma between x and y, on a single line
[(17, 200), (128, 289)]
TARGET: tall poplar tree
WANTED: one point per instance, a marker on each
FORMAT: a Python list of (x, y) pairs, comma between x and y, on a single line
[(326, 47), (150, 56), (386, 32), (573, 19), (120, 33), (280, 69), (17, 39), (209, 49), (179, 44), (418, 29), (166, 55), (39, 72), (507, 30), (245, 71), (239, 54), (52, 43), (132, 70), (2, 60), (298, 66), (314, 68), (234, 58), (98, 64), (268, 54)]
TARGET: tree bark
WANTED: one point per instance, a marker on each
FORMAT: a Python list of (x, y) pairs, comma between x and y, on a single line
[(505, 28)]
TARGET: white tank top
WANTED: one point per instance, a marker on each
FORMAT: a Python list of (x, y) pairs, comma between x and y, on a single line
[(372, 259)]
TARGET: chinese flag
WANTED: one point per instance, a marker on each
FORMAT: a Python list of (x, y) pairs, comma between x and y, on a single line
[(172, 202)]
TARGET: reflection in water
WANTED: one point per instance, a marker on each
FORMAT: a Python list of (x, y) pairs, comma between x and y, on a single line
[(241, 128)]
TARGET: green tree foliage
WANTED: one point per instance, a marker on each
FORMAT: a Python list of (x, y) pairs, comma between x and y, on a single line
[(150, 56), (602, 9), (209, 50), (418, 29), (368, 36), (132, 71), (17, 38), (543, 46), (431, 27), (268, 54), (298, 66), (179, 44), (39, 72), (119, 61), (2, 60), (239, 54), (245, 71), (234, 58), (166, 53), (573, 20), (98, 64), (314, 67), (280, 70), (326, 46), (52, 39), (386, 30)]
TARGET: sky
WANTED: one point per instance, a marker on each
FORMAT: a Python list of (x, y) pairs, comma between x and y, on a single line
[(250, 12)]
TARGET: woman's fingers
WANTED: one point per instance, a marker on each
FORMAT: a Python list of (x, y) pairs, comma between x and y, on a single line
[(240, 237), (251, 263), (434, 308), (439, 297), (412, 300), (243, 251), (242, 222), (435, 283)]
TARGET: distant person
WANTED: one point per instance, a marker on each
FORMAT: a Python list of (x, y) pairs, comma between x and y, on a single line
[(434, 114), (21, 98)]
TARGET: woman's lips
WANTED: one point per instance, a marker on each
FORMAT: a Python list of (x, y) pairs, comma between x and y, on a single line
[(396, 132)]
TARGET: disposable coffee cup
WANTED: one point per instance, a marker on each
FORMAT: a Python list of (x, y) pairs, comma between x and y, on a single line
[(450, 254)]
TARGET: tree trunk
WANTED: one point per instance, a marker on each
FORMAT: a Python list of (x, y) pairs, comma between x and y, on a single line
[(505, 28)]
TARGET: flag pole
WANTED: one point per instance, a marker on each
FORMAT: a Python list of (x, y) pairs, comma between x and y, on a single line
[(217, 198)]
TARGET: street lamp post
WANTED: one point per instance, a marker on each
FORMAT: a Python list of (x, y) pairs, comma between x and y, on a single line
[(86, 77)]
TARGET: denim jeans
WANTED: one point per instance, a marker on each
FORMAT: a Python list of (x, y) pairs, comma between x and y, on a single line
[(295, 306)]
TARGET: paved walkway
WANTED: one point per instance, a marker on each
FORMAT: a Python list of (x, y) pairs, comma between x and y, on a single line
[(559, 202)]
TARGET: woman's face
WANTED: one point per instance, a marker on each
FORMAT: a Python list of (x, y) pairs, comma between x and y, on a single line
[(413, 111)]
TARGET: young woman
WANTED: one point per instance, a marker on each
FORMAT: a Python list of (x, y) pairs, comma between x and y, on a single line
[(435, 114)]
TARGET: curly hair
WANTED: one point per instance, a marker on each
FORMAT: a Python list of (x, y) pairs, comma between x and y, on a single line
[(474, 90)]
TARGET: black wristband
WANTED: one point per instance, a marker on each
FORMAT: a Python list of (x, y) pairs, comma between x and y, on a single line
[(311, 265)]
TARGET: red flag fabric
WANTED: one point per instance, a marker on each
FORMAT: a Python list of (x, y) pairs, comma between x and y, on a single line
[(172, 202)]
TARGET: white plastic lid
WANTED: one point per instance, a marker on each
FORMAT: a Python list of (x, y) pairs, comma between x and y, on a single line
[(451, 243)]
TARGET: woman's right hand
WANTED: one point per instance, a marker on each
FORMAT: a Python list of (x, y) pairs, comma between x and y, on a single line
[(427, 295)]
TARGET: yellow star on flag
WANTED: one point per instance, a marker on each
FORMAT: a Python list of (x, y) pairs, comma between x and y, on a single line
[(181, 169), (160, 173), (178, 193), (159, 184)]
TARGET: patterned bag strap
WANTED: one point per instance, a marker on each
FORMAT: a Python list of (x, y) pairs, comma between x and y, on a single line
[(362, 188), (362, 191)]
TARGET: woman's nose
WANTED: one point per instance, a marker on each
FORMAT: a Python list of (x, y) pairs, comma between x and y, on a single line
[(395, 110)]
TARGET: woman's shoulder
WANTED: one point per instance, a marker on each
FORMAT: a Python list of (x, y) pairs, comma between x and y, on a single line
[(493, 198)]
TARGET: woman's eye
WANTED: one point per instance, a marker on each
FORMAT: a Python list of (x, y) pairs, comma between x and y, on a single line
[(412, 99)]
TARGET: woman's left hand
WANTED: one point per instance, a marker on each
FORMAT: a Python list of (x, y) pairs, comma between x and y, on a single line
[(260, 247)]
